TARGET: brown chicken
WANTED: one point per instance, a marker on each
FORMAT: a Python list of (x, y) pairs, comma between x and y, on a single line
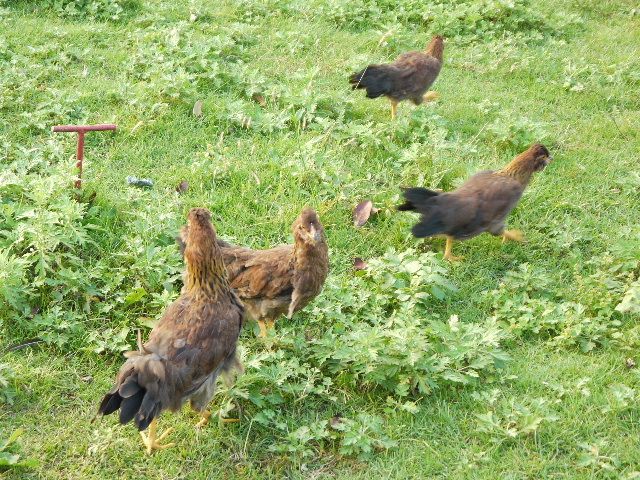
[(407, 78), (480, 205), (194, 342), (283, 279)]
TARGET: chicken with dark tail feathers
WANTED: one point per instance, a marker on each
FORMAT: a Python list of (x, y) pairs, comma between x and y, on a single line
[(480, 205), (407, 78), (193, 343)]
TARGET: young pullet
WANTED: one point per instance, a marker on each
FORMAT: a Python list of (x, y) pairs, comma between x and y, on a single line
[(283, 279), (480, 205), (194, 342), (407, 78)]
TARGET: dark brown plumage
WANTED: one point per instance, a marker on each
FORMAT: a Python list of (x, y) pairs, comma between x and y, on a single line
[(194, 341), (480, 205), (284, 279), (407, 78)]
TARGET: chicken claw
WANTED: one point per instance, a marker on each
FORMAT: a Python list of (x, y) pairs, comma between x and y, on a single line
[(151, 442), (263, 329), (513, 235), (228, 420), (265, 326), (222, 420), (204, 419), (430, 96), (205, 415)]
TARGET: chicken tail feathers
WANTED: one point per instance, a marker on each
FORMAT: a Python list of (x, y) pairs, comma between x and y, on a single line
[(128, 406), (415, 198), (376, 79), (428, 227), (110, 403), (422, 200), (135, 401)]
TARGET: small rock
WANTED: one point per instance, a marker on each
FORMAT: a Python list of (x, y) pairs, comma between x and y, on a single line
[(140, 182)]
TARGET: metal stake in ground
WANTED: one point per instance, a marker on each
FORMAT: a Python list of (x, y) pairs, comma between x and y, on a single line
[(82, 129)]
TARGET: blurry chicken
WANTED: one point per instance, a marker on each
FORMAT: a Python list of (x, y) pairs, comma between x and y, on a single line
[(283, 279), (407, 78), (481, 204), (194, 341)]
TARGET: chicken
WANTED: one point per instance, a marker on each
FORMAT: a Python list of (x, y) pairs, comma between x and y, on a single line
[(194, 342), (407, 78), (480, 205), (283, 279)]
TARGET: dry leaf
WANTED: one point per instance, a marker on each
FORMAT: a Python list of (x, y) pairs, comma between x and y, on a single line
[(359, 264), (630, 363), (362, 212), (259, 99), (197, 109), (182, 187)]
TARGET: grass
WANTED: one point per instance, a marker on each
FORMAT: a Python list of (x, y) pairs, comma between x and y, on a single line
[(575, 86)]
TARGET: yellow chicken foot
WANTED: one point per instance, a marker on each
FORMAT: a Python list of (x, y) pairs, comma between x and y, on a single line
[(204, 418), (152, 442), (447, 251), (394, 109), (513, 235), (265, 326), (430, 96), (263, 329), (222, 420)]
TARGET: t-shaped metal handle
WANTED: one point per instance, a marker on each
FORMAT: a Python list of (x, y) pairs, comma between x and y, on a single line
[(81, 130)]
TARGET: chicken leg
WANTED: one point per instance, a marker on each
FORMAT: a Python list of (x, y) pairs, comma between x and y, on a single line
[(394, 109), (265, 326), (151, 441), (263, 329), (513, 235), (448, 255)]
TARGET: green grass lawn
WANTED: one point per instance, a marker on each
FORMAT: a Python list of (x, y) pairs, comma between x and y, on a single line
[(520, 372)]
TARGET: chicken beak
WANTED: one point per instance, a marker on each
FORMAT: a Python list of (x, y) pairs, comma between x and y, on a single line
[(314, 235)]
